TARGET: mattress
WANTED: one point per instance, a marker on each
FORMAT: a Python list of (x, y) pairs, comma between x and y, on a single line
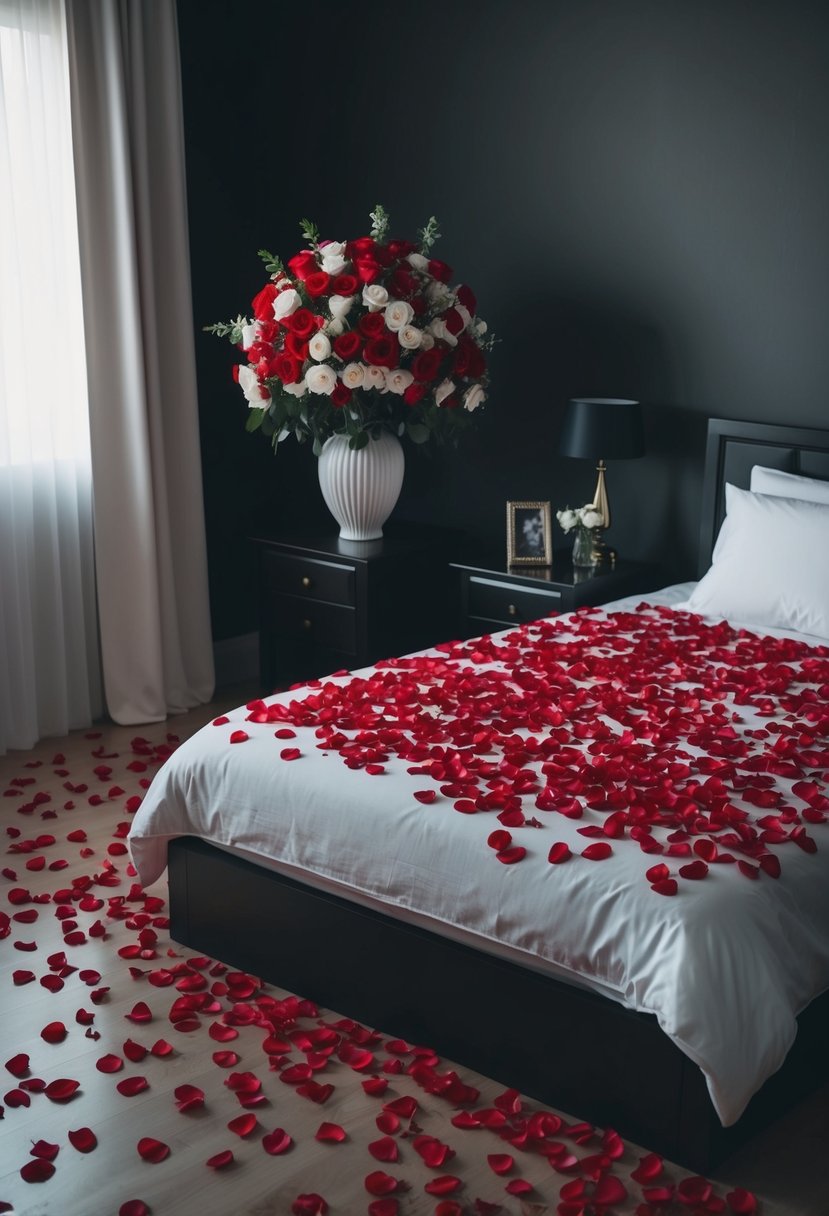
[(724, 964)]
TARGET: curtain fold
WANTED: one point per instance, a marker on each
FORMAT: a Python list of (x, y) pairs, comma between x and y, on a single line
[(150, 550), (49, 660)]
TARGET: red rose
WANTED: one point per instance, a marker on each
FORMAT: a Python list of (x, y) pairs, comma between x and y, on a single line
[(382, 351), (439, 270), (403, 283), (303, 264), (318, 284), (401, 249), (454, 321), (361, 246), (419, 305), (384, 255), (467, 297), (340, 396), (298, 347), (267, 330), (371, 324), (426, 364), (287, 368), (348, 345), (235, 373), (301, 323), (262, 304), (414, 393), (344, 285), (368, 268)]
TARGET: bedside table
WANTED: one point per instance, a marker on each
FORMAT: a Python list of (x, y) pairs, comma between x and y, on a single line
[(492, 596), (326, 603)]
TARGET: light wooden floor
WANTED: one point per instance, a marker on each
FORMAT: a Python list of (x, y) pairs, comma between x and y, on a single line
[(788, 1167)]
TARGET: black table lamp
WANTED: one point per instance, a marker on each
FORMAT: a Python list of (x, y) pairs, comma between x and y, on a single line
[(600, 428)]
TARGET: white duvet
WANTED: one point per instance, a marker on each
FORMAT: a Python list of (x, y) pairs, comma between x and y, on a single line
[(725, 967)]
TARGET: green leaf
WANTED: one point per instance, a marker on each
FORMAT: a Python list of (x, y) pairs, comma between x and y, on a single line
[(310, 231), (273, 264), (429, 234), (358, 440), (317, 447), (255, 420), (379, 222), (417, 432)]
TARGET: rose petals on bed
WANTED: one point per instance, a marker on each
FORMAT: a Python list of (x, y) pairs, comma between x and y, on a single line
[(134, 1207), (37, 1171), (597, 852), (83, 1139), (559, 853), (62, 1090), (131, 1086), (380, 1183), (310, 1204)]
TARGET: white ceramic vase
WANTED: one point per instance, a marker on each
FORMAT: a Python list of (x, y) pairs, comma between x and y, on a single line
[(361, 487)]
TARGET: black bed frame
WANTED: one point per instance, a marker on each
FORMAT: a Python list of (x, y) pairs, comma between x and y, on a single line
[(562, 1045)]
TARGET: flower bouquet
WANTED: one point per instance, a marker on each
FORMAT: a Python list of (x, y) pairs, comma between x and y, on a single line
[(359, 338), (585, 520)]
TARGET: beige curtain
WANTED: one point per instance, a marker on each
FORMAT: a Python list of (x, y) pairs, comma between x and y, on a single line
[(150, 552)]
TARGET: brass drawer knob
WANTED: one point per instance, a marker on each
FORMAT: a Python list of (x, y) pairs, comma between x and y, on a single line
[(306, 582), (512, 610), (306, 624)]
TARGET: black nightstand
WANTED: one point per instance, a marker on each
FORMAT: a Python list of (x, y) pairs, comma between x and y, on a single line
[(493, 596), (326, 604)]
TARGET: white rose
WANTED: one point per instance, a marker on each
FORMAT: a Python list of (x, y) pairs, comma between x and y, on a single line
[(353, 375), (417, 261), (398, 380), (439, 295), (335, 327), (374, 378), (248, 335), (250, 386), (398, 313), (481, 328), (427, 340), (444, 390), (375, 297), (332, 256), (295, 390), (439, 330), (340, 306), (591, 518), (410, 337), (465, 315), (473, 397), (319, 347), (321, 379), (285, 303), (567, 519)]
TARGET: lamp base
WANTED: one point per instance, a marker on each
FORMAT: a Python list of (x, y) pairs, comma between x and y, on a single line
[(603, 554)]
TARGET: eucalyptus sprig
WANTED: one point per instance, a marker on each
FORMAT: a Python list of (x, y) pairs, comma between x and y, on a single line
[(228, 329), (273, 264), (311, 233), (429, 234)]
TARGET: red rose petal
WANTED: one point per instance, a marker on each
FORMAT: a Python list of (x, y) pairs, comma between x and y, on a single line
[(44, 1150), (22, 977), (375, 1086), (222, 1033), (160, 1048), (519, 1186), (134, 1052), (83, 1139), (18, 1065), (512, 855), (694, 870), (598, 851), (131, 1086), (290, 753), (134, 1207), (447, 1184), (243, 1125), (378, 1183), (383, 1207), (559, 853), (152, 1150), (276, 1142), (405, 1107), (62, 1089), (37, 1171), (742, 1202), (425, 796), (648, 1169), (667, 886), (140, 1012), (17, 1097), (310, 1204), (330, 1133), (609, 1190), (239, 736), (109, 1063), (499, 840), (384, 1149), (500, 1163), (221, 1160), (188, 1097)]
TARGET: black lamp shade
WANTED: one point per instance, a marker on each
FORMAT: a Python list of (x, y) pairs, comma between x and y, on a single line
[(602, 428)]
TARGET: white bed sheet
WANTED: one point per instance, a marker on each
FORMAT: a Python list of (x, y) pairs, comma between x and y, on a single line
[(726, 968)]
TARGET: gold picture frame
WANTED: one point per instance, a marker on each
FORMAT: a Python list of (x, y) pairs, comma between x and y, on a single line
[(529, 534)]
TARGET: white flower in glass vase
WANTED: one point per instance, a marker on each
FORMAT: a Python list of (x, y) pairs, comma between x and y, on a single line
[(584, 520)]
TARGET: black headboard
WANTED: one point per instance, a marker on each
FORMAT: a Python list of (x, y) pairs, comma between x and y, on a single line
[(734, 447)]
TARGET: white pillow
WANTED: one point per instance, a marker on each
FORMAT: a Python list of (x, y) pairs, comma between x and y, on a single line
[(770, 564), (788, 485)]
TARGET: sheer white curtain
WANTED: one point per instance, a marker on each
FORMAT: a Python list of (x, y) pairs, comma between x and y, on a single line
[(49, 663), (150, 547)]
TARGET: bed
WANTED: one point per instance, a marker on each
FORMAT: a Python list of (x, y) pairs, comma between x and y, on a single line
[(507, 892)]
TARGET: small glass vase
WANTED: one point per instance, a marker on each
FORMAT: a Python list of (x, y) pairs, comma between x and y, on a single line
[(584, 551)]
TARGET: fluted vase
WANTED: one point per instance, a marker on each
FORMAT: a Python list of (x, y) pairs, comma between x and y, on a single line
[(361, 487)]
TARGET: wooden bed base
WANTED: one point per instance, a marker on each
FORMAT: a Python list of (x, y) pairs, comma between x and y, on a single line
[(564, 1046)]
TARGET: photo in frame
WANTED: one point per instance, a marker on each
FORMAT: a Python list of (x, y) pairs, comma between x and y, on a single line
[(529, 534)]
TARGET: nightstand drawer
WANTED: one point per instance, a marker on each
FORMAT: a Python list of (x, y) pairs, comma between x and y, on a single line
[(309, 577), (509, 604), (313, 621)]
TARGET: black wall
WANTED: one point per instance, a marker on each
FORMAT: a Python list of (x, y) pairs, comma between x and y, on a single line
[(636, 190)]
